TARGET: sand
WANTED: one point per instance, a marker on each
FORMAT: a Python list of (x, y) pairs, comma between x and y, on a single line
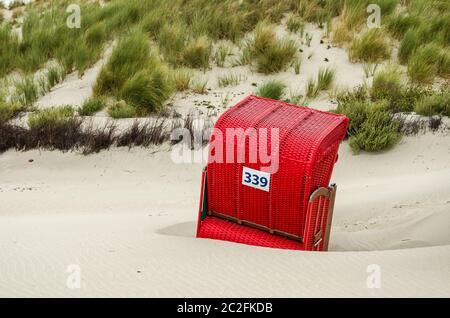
[(128, 219)]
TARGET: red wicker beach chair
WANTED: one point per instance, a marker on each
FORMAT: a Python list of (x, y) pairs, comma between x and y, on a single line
[(286, 206)]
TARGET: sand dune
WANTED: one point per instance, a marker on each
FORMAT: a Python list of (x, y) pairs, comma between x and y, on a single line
[(128, 219)]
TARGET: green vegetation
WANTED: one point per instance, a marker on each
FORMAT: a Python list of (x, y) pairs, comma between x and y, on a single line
[(26, 91), (297, 64), (273, 89), (91, 106), (199, 86), (121, 109), (325, 79), (197, 53), (423, 64), (222, 51), (437, 104), (311, 88), (231, 79), (51, 118), (147, 90), (370, 47), (16, 4), (386, 84), (271, 54), (8, 111), (182, 79), (378, 132), (135, 74), (408, 44), (399, 24), (295, 24)]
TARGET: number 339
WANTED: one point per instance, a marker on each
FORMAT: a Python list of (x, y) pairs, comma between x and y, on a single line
[(255, 179)]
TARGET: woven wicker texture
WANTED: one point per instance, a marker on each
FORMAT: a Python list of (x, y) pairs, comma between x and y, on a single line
[(308, 143)]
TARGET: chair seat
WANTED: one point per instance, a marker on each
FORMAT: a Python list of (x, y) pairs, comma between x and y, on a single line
[(219, 229)]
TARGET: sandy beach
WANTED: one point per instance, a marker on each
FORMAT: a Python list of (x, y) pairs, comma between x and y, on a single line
[(124, 219), (128, 219)]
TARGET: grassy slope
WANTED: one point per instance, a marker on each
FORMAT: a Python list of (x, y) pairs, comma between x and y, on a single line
[(158, 39)]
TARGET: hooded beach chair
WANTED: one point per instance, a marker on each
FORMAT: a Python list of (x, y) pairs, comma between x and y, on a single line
[(285, 204)]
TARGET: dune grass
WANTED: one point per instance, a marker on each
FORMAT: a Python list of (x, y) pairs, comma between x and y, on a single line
[(130, 56), (147, 90), (297, 64), (197, 53), (423, 64), (436, 104), (408, 45), (121, 109), (324, 81), (371, 47), (55, 75), (311, 88), (16, 4), (221, 53), (199, 86), (230, 79), (270, 54), (386, 84), (399, 24), (9, 110), (273, 89), (91, 106), (51, 118), (135, 74), (294, 23), (26, 91), (325, 78), (182, 79)]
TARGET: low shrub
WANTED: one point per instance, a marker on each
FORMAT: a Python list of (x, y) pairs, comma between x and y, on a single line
[(357, 112), (436, 104), (378, 132)]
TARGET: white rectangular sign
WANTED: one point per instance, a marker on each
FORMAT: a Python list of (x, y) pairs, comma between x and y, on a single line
[(256, 179)]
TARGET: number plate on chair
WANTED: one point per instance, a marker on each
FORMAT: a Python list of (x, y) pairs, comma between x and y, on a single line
[(256, 179)]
